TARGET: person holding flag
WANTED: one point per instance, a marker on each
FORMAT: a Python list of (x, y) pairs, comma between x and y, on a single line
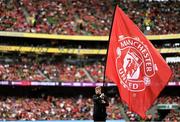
[(134, 65), (100, 104)]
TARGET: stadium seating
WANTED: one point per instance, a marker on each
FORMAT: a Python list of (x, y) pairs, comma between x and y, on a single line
[(52, 108), (70, 108), (89, 17), (72, 17), (62, 72), (172, 116)]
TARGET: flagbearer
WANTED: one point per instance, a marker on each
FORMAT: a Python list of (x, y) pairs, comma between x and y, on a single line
[(134, 65), (100, 104)]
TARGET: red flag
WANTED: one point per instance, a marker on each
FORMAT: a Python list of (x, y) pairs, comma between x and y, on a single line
[(135, 65)]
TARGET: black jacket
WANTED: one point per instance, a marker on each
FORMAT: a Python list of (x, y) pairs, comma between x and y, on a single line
[(100, 108)]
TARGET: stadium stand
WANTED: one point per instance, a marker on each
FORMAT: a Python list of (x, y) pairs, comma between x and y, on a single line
[(32, 70), (39, 42), (172, 116), (70, 108), (14, 108), (39, 104), (89, 17), (168, 100)]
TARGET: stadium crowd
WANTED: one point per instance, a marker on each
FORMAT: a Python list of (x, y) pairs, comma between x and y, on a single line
[(173, 115), (77, 18), (169, 100), (44, 72), (97, 71), (89, 17), (20, 72), (62, 72), (175, 67), (52, 108), (70, 108)]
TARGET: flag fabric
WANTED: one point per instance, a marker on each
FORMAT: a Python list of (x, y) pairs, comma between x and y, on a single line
[(134, 64)]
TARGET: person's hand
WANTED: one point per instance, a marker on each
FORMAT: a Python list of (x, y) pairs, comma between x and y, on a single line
[(102, 95)]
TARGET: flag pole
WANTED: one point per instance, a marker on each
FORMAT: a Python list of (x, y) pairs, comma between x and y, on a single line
[(104, 77)]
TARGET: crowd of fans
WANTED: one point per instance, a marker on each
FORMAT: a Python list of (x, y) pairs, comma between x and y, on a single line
[(173, 115), (20, 72), (86, 17), (154, 17), (62, 72), (52, 108), (97, 71), (169, 100), (43, 72), (175, 67), (11, 17), (68, 108)]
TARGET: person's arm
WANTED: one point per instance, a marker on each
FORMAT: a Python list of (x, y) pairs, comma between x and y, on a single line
[(104, 100), (96, 99)]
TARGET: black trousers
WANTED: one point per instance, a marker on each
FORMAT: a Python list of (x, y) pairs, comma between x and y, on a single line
[(99, 120)]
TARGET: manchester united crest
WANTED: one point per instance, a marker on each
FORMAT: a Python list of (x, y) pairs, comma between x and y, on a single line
[(134, 64)]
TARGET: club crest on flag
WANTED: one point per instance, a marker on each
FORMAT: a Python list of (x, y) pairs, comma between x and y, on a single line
[(134, 64)]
